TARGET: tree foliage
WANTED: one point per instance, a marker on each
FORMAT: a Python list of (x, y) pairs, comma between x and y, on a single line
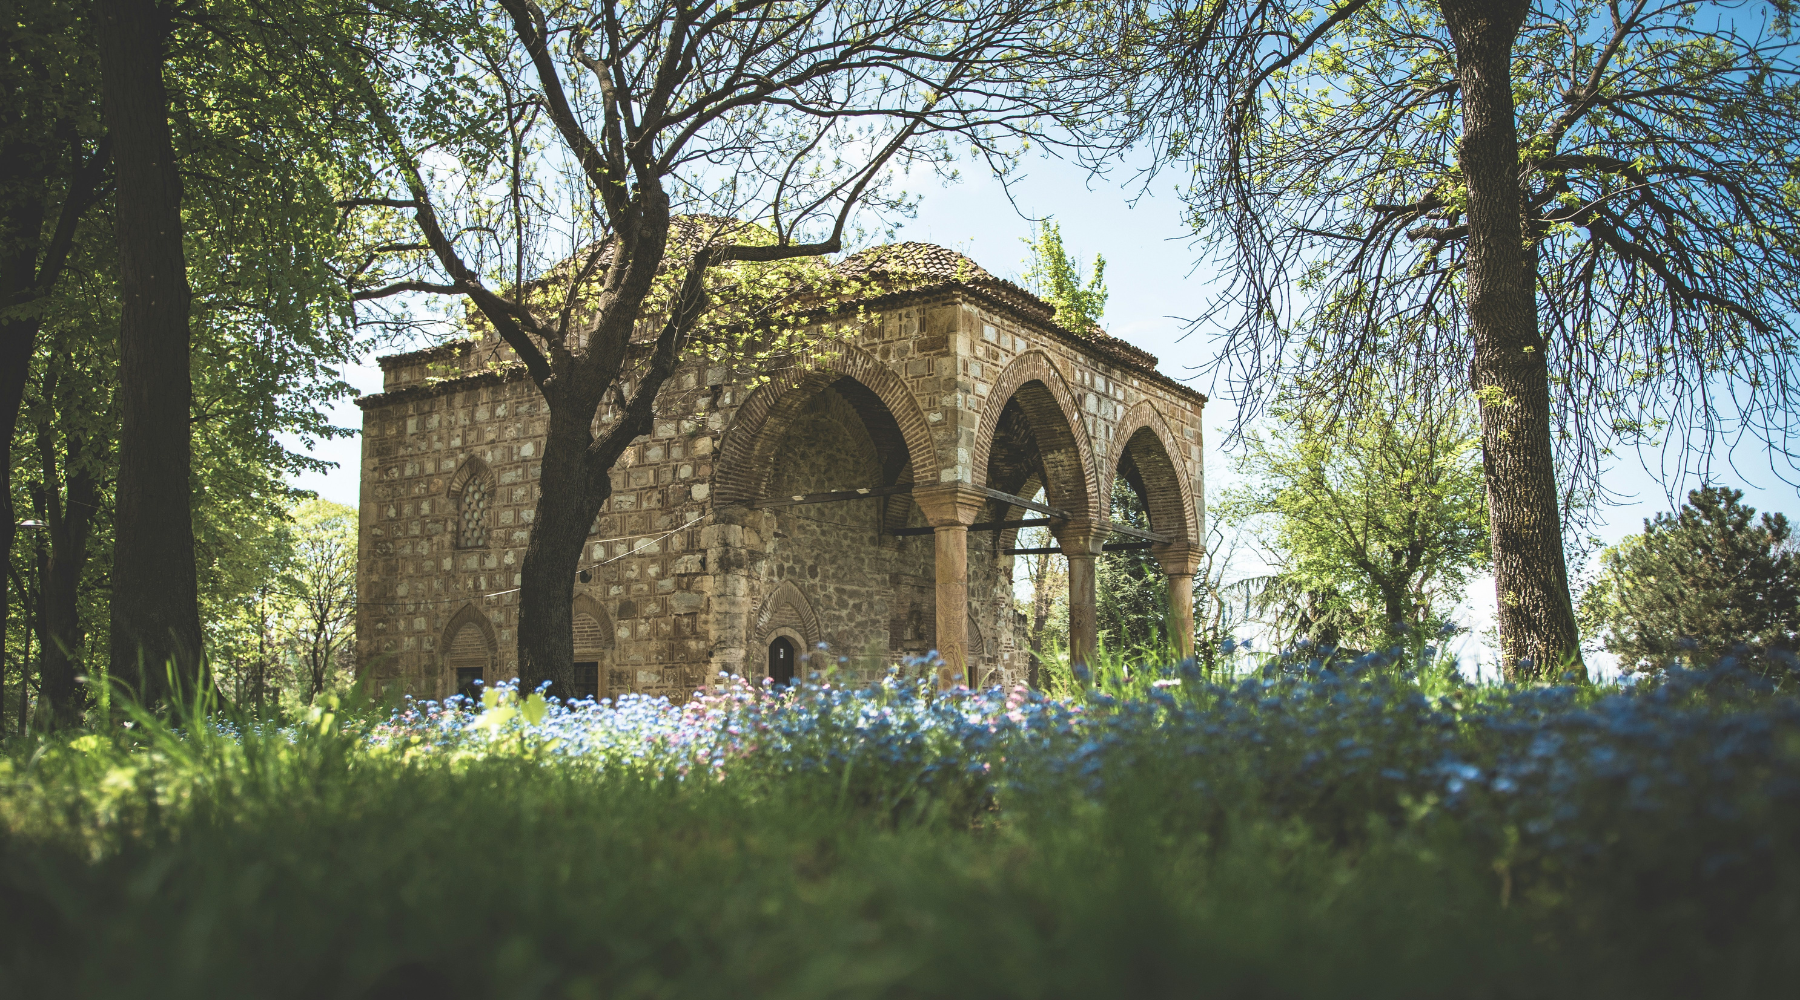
[(1056, 277), (621, 171), (1586, 207), (320, 580), (1131, 594), (1658, 161), (281, 628), (1709, 581), (1376, 520), (264, 145)]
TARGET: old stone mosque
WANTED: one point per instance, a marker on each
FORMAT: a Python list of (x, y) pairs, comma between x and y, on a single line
[(865, 499)]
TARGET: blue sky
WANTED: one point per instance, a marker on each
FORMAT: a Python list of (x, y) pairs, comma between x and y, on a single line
[(1155, 285)]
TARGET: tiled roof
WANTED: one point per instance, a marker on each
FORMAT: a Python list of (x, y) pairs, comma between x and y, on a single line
[(922, 261), (910, 267), (904, 266)]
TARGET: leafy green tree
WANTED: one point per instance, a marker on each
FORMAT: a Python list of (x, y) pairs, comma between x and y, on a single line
[(681, 152), (320, 580), (279, 601), (1056, 277), (244, 603), (262, 148), (1376, 518), (1131, 594), (54, 160), (1703, 583), (1586, 209)]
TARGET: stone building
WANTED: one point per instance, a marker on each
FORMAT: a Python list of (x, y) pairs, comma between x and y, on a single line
[(863, 496)]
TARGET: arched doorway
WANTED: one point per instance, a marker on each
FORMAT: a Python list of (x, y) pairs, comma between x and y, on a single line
[(594, 644), (469, 658), (781, 660), (470, 651), (820, 463)]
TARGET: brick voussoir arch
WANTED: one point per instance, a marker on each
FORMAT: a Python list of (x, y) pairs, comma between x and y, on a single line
[(746, 452), (585, 605), (1143, 433), (472, 467), (1056, 420), (788, 596), (466, 615)]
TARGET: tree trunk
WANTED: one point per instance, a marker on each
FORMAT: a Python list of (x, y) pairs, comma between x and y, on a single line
[(155, 607), (17, 340), (22, 185), (1040, 617), (1538, 635), (60, 639), (569, 498), (575, 477), (1394, 607)]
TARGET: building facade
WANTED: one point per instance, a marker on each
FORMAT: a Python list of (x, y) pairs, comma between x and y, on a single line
[(855, 504)]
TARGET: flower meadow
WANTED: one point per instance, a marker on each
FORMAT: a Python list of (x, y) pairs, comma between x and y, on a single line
[(1308, 826)]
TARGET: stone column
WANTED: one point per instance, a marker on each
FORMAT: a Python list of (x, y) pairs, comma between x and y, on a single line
[(1179, 562), (950, 509), (1081, 540), (734, 544)]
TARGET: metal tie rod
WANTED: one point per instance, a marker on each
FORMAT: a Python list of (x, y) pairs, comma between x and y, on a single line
[(1029, 522), (1056, 512), (1108, 547), (856, 494)]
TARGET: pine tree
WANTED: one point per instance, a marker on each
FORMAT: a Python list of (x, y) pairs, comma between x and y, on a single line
[(1703, 583)]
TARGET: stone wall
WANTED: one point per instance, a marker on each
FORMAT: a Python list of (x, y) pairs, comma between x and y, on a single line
[(679, 566)]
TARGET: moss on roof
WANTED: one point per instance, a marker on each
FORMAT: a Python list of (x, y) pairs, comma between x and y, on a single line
[(923, 261)]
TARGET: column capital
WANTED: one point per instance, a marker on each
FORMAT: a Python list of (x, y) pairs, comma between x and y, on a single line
[(950, 505), (1080, 536), (1179, 558)]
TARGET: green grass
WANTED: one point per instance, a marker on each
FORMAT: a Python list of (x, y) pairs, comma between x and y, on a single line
[(304, 863)]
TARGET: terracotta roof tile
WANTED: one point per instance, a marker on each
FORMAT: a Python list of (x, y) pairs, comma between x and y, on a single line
[(923, 261)]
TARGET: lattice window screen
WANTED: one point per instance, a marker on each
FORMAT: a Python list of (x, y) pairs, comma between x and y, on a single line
[(474, 534)]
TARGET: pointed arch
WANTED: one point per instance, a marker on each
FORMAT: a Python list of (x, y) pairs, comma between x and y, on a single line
[(1055, 418), (596, 637), (885, 403), (784, 613), (468, 643), (468, 615), (1146, 450), (786, 606), (472, 467)]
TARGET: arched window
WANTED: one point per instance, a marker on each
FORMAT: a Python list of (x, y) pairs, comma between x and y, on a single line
[(473, 531), (781, 660), (472, 490)]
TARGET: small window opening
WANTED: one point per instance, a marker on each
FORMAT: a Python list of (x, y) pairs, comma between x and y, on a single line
[(587, 681)]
